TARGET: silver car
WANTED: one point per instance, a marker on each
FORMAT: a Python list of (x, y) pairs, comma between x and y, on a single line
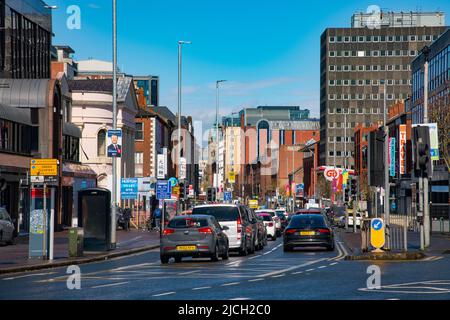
[(6, 227), (194, 236)]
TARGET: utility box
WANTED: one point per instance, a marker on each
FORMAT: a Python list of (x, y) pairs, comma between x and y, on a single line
[(76, 242)]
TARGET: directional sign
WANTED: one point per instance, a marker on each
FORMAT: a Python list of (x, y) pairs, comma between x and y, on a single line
[(44, 167), (377, 233), (163, 190), (129, 189)]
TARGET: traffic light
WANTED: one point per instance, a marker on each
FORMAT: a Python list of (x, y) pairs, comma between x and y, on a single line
[(422, 158), (353, 188), (182, 190), (211, 195), (375, 160)]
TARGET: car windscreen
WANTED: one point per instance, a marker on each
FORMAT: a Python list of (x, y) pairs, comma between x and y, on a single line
[(181, 223), (307, 222), (220, 213), (265, 217)]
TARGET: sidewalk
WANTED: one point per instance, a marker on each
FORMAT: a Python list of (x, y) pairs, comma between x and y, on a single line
[(14, 258), (440, 243)]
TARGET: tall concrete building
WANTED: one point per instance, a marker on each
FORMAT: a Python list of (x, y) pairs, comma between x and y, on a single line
[(354, 61)]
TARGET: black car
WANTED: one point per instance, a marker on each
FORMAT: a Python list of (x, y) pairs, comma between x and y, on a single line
[(308, 231), (283, 219)]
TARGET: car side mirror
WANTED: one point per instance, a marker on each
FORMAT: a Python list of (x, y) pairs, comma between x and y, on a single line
[(225, 228)]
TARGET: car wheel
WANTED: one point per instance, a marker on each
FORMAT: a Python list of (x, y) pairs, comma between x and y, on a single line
[(243, 252), (164, 259), (252, 248), (287, 249), (215, 255), (274, 237), (178, 259), (226, 255), (265, 242), (330, 248)]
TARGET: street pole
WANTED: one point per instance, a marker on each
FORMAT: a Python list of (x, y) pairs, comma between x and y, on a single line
[(218, 82), (387, 191), (180, 60), (114, 159), (426, 212)]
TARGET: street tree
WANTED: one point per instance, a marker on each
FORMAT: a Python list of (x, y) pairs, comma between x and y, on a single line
[(439, 112)]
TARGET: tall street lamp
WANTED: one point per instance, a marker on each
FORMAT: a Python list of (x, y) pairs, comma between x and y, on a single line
[(180, 53), (114, 159), (218, 82), (387, 186)]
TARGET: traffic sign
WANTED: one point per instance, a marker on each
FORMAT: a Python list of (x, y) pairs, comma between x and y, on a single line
[(163, 190), (44, 167), (173, 182), (232, 177), (227, 196), (377, 233), (129, 189)]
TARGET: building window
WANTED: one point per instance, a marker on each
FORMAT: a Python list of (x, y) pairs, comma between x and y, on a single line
[(101, 143), (139, 158), (139, 131)]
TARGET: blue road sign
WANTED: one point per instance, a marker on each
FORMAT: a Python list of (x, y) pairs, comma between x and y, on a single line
[(173, 182), (377, 224), (227, 196), (129, 189), (163, 190)]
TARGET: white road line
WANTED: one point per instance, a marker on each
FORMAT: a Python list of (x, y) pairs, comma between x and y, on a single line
[(189, 272), (163, 294), (299, 272), (255, 280), (309, 270), (333, 264), (279, 276), (322, 267), (201, 288), (239, 299), (110, 285), (230, 284), (132, 266), (290, 269), (29, 275)]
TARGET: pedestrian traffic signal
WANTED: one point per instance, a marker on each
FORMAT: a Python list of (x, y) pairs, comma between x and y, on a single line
[(182, 186), (421, 145)]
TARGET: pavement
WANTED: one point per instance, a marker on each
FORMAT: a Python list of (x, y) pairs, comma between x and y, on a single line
[(271, 274), (14, 258), (439, 244)]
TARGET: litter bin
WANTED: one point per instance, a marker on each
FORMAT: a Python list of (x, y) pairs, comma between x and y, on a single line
[(76, 242)]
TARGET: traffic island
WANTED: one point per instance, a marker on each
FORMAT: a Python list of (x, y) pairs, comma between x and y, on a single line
[(387, 256)]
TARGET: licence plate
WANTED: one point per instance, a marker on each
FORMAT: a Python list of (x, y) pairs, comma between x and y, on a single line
[(186, 248), (307, 233)]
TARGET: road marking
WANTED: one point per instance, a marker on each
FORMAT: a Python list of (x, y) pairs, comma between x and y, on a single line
[(309, 270), (290, 269), (230, 284), (322, 267), (201, 288), (128, 241), (110, 285), (299, 272), (333, 264), (279, 276), (132, 266), (189, 272), (29, 275), (239, 299), (255, 280), (163, 294)]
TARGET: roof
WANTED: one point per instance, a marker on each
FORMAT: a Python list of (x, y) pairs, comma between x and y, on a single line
[(24, 93), (66, 48), (102, 85), (15, 114), (95, 66), (165, 113)]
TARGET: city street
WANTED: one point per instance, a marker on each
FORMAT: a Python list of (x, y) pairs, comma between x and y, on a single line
[(270, 274)]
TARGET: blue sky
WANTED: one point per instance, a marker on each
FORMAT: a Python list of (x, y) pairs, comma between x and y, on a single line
[(267, 50)]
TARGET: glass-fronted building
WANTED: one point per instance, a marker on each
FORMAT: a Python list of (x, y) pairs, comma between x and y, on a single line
[(25, 39)]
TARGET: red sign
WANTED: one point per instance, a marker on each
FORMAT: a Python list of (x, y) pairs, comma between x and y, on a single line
[(402, 146)]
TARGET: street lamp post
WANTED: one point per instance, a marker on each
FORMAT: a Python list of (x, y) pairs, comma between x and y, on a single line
[(387, 186), (180, 56), (114, 159), (218, 82), (426, 207)]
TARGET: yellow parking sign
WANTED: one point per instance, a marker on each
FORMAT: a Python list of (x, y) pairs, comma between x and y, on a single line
[(377, 233), (44, 167)]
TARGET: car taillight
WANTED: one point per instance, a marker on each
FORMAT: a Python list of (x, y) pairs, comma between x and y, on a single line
[(166, 232), (326, 231), (271, 224), (207, 230), (291, 231)]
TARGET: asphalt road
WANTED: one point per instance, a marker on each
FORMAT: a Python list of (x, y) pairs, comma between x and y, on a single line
[(267, 275)]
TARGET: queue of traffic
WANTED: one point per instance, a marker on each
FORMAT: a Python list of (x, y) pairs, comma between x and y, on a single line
[(215, 230)]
